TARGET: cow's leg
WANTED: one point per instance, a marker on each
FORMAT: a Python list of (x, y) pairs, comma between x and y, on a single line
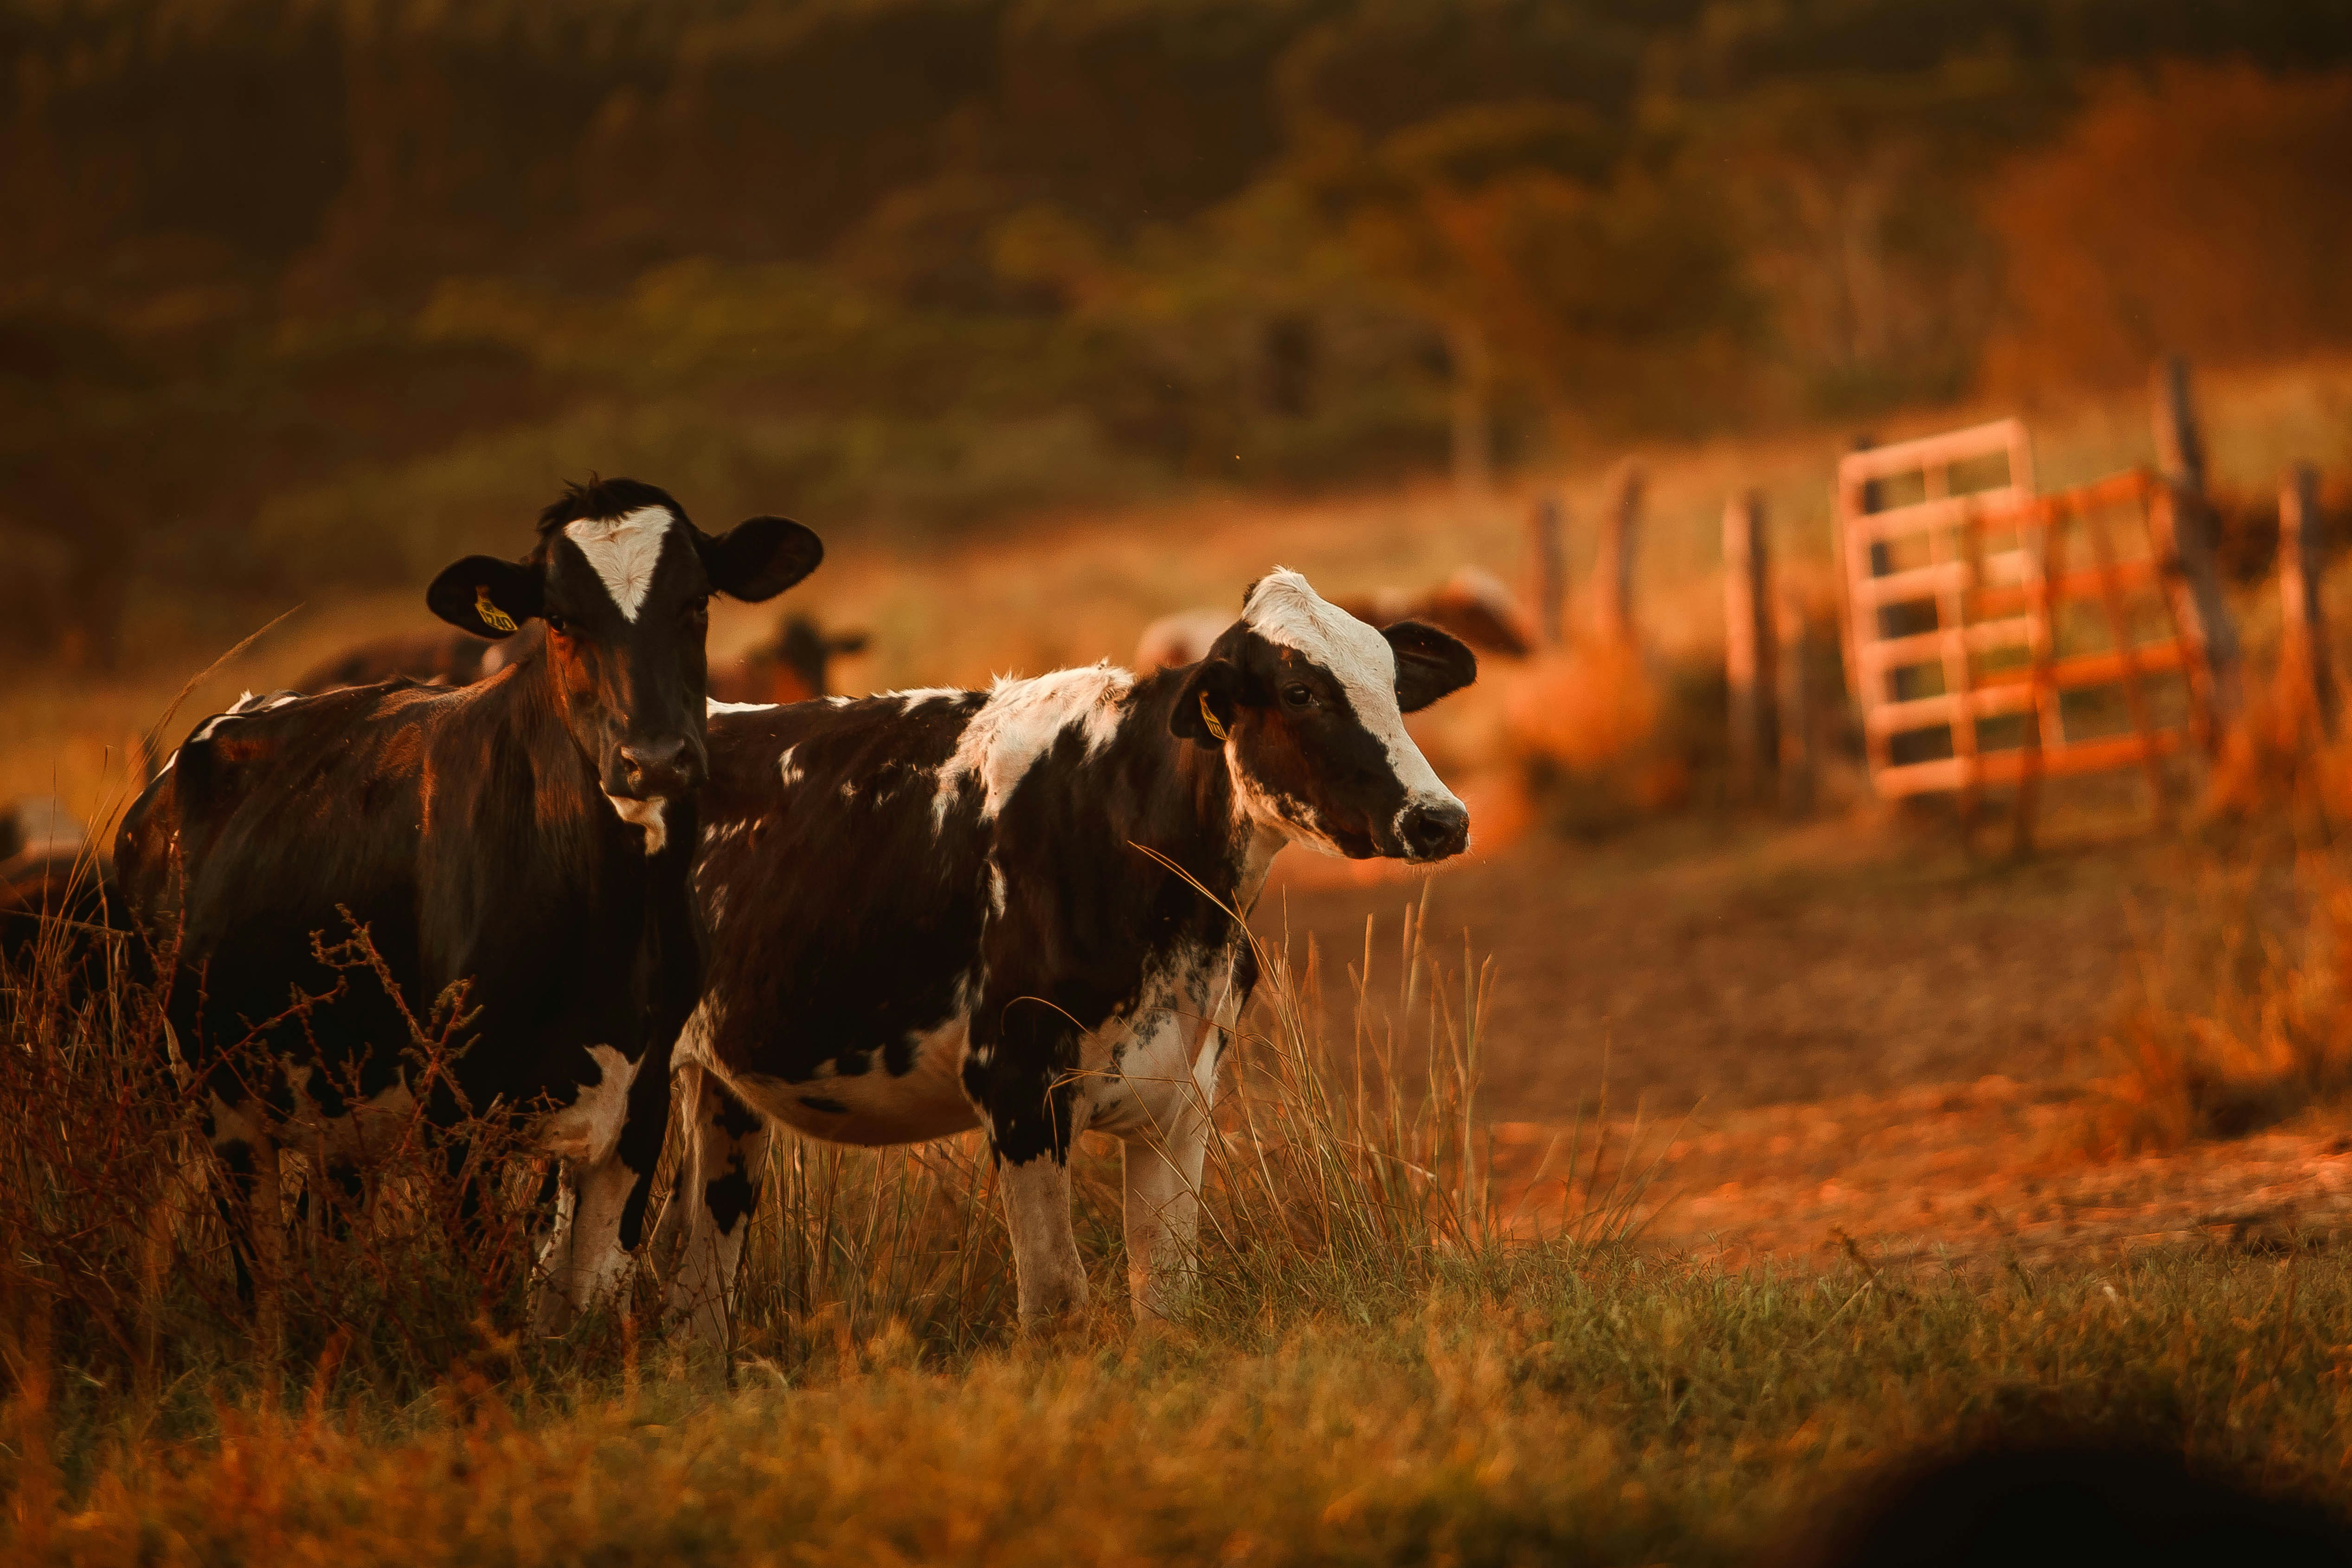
[(1162, 1159), (718, 1188), (584, 1266), (602, 1192), (249, 1202), (1049, 1278), (1015, 1073), (252, 1210)]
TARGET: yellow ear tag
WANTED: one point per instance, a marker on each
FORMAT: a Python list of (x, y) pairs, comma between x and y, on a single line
[(1210, 719), (491, 615)]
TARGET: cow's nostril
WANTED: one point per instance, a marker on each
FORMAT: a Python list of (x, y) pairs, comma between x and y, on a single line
[(657, 768), (1433, 832)]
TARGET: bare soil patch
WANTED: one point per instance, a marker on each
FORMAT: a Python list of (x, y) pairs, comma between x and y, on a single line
[(1971, 1176), (1848, 1041), (1697, 964)]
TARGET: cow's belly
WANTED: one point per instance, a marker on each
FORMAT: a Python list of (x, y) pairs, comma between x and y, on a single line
[(876, 1106)]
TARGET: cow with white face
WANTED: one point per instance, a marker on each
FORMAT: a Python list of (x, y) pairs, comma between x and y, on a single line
[(530, 835), (926, 912)]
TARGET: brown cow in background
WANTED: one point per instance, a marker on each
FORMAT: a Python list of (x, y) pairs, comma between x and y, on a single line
[(1473, 604), (429, 658), (792, 666), (51, 882)]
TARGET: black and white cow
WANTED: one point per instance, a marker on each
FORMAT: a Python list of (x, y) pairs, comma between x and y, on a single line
[(530, 833), (926, 913)]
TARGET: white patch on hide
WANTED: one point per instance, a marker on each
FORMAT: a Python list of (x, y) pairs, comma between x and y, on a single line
[(916, 696), (873, 1107), (645, 814), (713, 707), (791, 774), (245, 707), (1020, 722), (589, 1129)]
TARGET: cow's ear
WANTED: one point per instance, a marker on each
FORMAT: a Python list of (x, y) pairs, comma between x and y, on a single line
[(1208, 704), (759, 557), (485, 595), (1430, 663)]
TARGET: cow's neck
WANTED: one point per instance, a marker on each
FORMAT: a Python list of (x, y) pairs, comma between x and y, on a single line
[(1199, 808), (566, 800)]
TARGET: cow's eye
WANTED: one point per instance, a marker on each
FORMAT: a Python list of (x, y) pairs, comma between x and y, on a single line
[(556, 623), (698, 608), (1297, 695)]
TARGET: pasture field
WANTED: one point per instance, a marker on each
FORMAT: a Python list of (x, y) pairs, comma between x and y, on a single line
[(1410, 1344), (1635, 1198)]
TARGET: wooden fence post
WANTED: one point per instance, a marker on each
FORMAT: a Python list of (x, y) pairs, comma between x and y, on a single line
[(1613, 572), (2306, 665), (1548, 571), (2187, 536), (1795, 713), (1749, 645)]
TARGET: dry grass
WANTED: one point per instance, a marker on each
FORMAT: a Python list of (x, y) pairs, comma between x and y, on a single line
[(1544, 1407), (124, 1327), (2244, 1011), (2243, 1016), (1383, 1365)]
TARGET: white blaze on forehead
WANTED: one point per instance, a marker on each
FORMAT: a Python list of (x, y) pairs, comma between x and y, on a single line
[(1021, 720), (1285, 611), (625, 550)]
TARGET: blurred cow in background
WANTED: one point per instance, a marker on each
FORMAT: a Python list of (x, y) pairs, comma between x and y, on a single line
[(429, 658), (792, 666), (49, 877), (1473, 604)]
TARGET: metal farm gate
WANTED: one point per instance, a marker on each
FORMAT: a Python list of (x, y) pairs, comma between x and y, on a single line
[(1994, 636)]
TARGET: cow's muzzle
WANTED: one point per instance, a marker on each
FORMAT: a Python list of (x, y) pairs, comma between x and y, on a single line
[(657, 770), (1433, 830)]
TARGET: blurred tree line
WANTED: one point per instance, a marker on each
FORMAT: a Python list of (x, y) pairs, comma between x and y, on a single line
[(303, 291)]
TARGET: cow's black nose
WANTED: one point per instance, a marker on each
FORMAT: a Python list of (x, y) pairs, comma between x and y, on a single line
[(1433, 832), (659, 768)]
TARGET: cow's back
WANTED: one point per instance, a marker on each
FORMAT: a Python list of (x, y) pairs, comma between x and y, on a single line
[(404, 813), (269, 834)]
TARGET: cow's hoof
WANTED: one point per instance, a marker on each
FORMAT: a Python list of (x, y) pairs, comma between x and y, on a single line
[(1066, 1318)]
